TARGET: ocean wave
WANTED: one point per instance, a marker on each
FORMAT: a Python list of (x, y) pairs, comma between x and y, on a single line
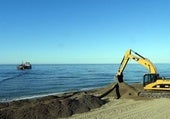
[(28, 97), (61, 77), (14, 77)]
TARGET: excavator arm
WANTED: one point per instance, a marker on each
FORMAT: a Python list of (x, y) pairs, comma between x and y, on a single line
[(130, 54)]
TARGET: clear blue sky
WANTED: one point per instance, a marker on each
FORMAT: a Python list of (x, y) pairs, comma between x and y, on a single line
[(83, 31)]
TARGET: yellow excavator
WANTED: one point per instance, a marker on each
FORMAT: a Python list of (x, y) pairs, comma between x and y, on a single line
[(152, 82)]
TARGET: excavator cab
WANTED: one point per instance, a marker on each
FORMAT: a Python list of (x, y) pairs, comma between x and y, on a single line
[(149, 78)]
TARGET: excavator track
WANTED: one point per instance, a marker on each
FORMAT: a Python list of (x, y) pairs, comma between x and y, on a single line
[(154, 94)]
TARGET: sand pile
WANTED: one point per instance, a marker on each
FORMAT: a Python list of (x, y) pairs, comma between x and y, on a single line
[(124, 90), (49, 109)]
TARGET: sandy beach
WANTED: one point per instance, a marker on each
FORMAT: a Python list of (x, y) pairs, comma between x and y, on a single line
[(101, 103), (129, 109)]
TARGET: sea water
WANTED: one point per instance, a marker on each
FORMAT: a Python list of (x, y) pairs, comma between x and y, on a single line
[(49, 79)]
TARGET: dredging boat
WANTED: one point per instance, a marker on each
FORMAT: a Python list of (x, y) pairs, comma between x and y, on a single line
[(25, 65)]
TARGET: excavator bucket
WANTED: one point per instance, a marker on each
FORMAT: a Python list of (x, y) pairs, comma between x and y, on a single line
[(119, 78)]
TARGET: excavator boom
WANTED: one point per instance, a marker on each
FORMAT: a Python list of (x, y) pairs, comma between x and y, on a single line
[(130, 54)]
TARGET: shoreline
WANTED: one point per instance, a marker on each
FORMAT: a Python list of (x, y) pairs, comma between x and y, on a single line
[(45, 95)]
